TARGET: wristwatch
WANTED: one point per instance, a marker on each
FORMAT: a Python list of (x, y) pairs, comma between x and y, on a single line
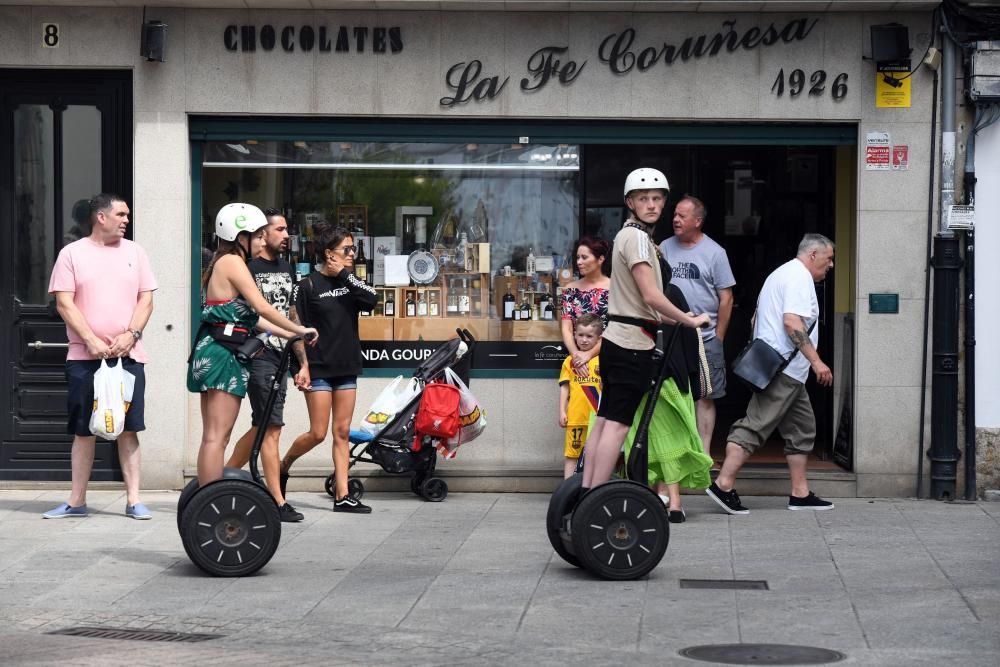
[(136, 334)]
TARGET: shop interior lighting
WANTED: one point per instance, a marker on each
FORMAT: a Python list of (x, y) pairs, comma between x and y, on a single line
[(239, 148), (375, 166)]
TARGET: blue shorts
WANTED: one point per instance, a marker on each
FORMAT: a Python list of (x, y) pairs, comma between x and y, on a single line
[(334, 383), (80, 395)]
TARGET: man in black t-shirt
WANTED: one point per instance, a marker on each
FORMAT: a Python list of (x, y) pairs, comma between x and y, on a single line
[(275, 279)]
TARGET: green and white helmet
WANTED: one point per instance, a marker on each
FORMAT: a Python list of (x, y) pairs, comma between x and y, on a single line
[(645, 178), (235, 218)]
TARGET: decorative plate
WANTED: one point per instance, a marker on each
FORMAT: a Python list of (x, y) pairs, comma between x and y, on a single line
[(422, 267)]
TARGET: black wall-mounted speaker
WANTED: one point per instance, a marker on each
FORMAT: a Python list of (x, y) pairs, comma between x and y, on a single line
[(153, 44), (890, 43)]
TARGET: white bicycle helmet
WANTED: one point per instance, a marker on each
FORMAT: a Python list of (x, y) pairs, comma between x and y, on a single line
[(645, 178), (235, 218)]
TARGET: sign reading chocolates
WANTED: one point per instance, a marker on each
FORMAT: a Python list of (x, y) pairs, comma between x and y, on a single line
[(306, 38)]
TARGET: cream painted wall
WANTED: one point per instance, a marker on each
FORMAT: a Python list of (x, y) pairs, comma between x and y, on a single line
[(201, 77)]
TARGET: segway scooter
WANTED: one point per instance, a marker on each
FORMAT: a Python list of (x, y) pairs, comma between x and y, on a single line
[(231, 527), (617, 530)]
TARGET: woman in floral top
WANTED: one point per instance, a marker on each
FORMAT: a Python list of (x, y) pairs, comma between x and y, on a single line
[(588, 294)]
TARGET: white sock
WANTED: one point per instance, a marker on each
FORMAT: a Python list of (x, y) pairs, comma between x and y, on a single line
[(665, 499)]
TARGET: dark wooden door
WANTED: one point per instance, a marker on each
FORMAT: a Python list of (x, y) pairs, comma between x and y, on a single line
[(64, 136)]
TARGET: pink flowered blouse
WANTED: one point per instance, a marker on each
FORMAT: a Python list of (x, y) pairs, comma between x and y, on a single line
[(576, 302)]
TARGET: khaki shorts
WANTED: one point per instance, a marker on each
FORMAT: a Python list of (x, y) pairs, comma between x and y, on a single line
[(784, 405)]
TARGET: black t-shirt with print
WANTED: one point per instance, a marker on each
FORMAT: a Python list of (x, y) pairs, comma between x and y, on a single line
[(276, 282)]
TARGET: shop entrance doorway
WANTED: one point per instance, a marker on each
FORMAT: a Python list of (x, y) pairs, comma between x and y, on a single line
[(69, 136), (760, 201)]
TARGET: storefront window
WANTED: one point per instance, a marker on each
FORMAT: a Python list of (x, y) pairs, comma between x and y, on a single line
[(454, 235)]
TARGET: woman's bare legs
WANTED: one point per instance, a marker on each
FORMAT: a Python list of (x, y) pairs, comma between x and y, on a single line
[(218, 415), (343, 412), (318, 404)]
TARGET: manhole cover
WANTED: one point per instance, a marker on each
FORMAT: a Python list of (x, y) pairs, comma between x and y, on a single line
[(133, 634), (762, 654)]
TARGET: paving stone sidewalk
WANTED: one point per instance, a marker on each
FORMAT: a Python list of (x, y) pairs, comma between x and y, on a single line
[(473, 581)]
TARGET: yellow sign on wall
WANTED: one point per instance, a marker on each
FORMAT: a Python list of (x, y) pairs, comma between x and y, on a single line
[(892, 90)]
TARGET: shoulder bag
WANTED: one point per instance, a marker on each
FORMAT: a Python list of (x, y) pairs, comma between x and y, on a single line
[(759, 363)]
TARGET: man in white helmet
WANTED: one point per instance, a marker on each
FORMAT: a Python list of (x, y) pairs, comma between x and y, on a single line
[(636, 305)]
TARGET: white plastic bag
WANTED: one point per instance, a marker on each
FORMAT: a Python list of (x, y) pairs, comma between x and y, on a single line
[(111, 384), (393, 398), (471, 417)]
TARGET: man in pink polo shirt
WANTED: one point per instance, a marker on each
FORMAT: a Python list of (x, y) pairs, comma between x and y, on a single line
[(103, 287)]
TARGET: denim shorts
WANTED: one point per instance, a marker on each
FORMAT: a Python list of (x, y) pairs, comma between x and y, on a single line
[(334, 383), (80, 395)]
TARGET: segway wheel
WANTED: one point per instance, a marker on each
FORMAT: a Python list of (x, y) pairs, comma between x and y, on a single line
[(620, 530), (560, 505), (331, 486), (231, 528), (355, 488), (434, 489), (192, 486)]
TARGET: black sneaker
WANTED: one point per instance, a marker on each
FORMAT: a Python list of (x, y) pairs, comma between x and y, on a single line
[(289, 514), (727, 500), (348, 504), (810, 502), (676, 516), (283, 483)]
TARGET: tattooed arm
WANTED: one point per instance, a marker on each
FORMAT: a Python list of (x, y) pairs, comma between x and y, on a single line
[(798, 333)]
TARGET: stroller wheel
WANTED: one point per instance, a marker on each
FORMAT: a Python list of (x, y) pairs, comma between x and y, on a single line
[(434, 489), (620, 530), (415, 483), (355, 488), (231, 528), (331, 486), (562, 502)]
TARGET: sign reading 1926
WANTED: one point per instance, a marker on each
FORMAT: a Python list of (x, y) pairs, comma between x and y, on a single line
[(817, 83)]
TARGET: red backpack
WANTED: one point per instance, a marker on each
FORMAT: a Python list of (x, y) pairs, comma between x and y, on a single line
[(437, 415)]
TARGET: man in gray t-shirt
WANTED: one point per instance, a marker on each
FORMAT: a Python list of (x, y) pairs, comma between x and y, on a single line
[(701, 270)]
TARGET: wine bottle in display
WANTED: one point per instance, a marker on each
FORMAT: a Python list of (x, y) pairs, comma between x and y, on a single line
[(421, 303), (464, 304), (411, 306), (370, 263), (508, 304), (433, 307), (525, 308), (390, 305), (361, 262)]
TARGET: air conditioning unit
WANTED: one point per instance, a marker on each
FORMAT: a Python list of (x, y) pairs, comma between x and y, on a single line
[(985, 66)]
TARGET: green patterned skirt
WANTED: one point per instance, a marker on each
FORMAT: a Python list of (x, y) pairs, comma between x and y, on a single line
[(676, 455)]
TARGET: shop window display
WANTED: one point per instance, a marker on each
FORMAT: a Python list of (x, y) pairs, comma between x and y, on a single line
[(449, 234)]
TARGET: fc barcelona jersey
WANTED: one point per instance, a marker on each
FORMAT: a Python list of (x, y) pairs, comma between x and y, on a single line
[(584, 392)]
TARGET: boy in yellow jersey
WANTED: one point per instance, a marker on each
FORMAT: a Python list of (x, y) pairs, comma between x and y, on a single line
[(579, 395)]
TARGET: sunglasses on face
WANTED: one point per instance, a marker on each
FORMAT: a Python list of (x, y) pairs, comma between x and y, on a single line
[(348, 249)]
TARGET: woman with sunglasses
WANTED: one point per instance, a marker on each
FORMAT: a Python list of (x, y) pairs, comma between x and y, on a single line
[(330, 300)]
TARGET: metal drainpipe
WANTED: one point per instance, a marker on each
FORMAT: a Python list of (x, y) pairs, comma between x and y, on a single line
[(969, 183), (947, 261)]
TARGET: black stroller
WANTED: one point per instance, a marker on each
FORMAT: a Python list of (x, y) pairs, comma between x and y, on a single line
[(392, 448)]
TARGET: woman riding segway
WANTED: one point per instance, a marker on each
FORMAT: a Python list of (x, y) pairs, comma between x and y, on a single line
[(619, 530), (219, 528)]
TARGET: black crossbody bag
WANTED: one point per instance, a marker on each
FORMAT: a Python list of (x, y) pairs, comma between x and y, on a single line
[(759, 363)]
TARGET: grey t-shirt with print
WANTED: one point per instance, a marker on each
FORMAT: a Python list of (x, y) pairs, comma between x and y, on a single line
[(700, 271)]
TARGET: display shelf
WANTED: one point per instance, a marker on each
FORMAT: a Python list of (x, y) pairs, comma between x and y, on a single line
[(375, 328), (462, 298), (353, 217), (531, 330), (427, 301), (439, 328), (383, 298)]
